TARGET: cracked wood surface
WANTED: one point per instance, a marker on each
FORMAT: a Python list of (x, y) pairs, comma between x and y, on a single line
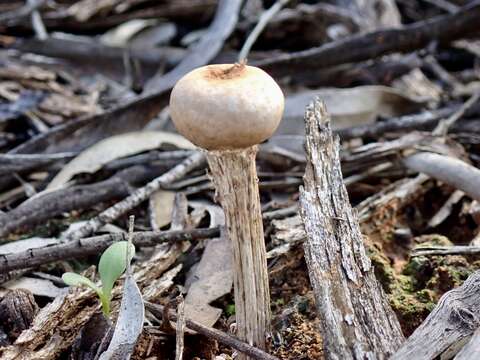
[(235, 177), (356, 320)]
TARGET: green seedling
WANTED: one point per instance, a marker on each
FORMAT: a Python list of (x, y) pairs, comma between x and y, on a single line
[(230, 309), (111, 266)]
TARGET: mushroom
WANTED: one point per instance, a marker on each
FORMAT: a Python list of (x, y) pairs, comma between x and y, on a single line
[(228, 109)]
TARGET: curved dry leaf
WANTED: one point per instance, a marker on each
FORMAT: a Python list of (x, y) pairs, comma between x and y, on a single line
[(348, 107), (115, 147), (123, 33), (212, 277), (217, 216), (161, 207), (39, 287), (417, 84), (209, 280)]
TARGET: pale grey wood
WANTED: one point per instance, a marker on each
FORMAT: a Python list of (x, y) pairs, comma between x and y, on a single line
[(356, 320), (471, 351), (450, 170)]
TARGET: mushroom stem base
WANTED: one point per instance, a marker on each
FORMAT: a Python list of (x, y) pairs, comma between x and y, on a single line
[(235, 177)]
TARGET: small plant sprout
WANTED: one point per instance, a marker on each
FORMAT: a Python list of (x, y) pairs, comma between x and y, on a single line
[(228, 109), (111, 266)]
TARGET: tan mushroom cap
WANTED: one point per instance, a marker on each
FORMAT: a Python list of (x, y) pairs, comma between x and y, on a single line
[(226, 106)]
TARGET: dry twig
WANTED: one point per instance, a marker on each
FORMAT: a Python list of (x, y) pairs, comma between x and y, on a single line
[(372, 45), (445, 124), (180, 328), (221, 337), (262, 22), (136, 198), (95, 245)]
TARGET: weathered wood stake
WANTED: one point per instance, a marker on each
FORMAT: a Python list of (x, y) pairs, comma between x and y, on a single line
[(356, 320)]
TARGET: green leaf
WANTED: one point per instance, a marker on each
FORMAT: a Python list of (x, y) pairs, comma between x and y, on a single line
[(74, 279), (112, 265), (230, 309)]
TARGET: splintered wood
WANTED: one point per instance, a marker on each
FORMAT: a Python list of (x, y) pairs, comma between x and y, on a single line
[(356, 320), (235, 178)]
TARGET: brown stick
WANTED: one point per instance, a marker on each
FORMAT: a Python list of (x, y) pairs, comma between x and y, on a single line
[(235, 178), (356, 320), (78, 249), (220, 336), (88, 51), (372, 45), (95, 245)]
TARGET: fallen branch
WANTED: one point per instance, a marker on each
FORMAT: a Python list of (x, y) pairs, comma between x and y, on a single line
[(21, 162), (221, 337), (446, 250), (452, 171), (83, 50), (445, 124), (136, 198), (257, 30), (47, 205), (420, 121), (22, 12), (207, 48), (95, 245), (60, 21), (35, 211), (454, 319), (88, 246), (375, 44), (472, 349), (356, 320)]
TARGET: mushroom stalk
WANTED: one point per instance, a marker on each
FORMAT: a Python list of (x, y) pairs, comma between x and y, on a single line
[(235, 177), (228, 109)]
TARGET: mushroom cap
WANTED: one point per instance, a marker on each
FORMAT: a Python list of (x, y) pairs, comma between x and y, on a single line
[(226, 106)]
